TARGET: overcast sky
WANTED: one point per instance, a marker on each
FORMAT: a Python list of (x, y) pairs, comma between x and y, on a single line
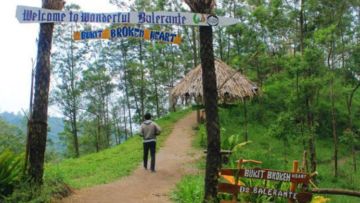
[(18, 47)]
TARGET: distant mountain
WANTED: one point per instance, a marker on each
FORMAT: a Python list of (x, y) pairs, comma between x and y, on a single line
[(55, 124), (17, 119)]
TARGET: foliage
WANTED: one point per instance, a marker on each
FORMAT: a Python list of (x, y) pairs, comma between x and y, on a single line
[(11, 137), (190, 189), (11, 168), (53, 189), (270, 150)]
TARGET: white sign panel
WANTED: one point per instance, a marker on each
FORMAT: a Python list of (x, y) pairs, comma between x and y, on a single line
[(26, 14)]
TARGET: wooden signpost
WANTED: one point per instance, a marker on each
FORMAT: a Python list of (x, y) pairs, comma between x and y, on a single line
[(236, 186), (230, 188), (266, 174)]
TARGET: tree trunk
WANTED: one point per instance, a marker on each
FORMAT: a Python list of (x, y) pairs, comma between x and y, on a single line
[(221, 53), (73, 100), (211, 110), (350, 123), (311, 141), (127, 79), (28, 124), (38, 121), (334, 126), (245, 122), (155, 85), (302, 34), (213, 158), (194, 47), (98, 134), (142, 88), (125, 123), (195, 61), (75, 131)]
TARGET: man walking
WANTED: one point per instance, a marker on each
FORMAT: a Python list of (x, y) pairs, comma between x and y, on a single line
[(149, 131)]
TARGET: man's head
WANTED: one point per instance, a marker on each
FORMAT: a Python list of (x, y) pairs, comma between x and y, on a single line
[(147, 116)]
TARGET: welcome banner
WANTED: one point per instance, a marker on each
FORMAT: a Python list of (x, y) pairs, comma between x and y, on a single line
[(126, 31), (26, 14)]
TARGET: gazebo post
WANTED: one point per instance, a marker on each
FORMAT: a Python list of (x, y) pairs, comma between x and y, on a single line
[(198, 116), (172, 104)]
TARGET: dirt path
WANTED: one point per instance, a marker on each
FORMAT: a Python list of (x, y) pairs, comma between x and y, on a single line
[(173, 160)]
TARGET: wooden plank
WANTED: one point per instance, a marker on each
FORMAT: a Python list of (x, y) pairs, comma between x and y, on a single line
[(293, 185), (231, 179), (302, 197), (228, 188), (266, 174)]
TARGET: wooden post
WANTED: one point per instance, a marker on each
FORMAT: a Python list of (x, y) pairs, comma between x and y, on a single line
[(293, 185), (28, 124), (234, 199), (38, 121)]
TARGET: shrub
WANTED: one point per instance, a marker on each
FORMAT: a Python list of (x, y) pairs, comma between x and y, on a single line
[(10, 172)]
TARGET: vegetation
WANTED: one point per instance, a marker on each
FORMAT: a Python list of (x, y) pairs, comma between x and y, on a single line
[(10, 172), (52, 188), (272, 152), (108, 165), (190, 189), (11, 137), (303, 55)]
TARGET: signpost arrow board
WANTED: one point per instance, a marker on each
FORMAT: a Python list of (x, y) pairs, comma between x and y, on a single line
[(233, 189), (126, 31), (26, 14), (267, 174)]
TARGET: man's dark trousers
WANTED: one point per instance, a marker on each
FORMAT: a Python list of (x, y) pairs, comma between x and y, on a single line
[(149, 146)]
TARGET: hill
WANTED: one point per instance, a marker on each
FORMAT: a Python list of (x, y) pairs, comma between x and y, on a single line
[(275, 152), (56, 125)]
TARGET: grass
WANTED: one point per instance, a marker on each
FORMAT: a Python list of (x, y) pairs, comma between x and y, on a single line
[(190, 189), (110, 164), (270, 151)]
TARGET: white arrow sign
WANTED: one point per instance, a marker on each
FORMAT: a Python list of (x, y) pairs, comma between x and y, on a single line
[(26, 14)]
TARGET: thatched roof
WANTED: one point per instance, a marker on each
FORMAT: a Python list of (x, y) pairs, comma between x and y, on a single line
[(231, 84)]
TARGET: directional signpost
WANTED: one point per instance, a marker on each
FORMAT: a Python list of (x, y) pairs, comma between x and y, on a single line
[(127, 31), (26, 14), (264, 174)]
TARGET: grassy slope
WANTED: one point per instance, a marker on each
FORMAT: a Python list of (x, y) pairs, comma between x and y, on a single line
[(270, 150), (110, 164)]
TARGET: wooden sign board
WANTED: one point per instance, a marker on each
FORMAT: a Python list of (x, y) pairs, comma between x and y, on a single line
[(234, 189), (266, 174), (126, 31), (27, 14)]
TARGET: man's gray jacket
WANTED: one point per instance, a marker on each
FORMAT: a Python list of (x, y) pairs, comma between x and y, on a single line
[(149, 131)]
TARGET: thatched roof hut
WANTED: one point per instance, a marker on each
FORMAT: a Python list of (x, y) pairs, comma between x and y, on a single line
[(231, 84)]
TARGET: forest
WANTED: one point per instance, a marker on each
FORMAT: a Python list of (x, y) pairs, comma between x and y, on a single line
[(303, 56)]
